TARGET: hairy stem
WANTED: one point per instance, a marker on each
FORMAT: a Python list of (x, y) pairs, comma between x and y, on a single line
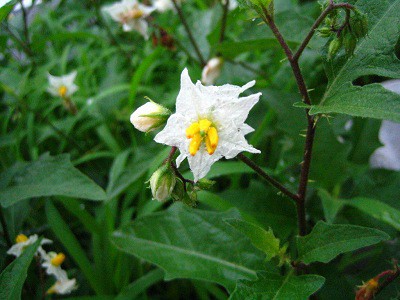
[(268, 178), (189, 33)]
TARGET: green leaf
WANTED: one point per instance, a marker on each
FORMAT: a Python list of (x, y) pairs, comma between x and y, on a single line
[(330, 205), (260, 238), (70, 242), (272, 286), (190, 243), (374, 55), (377, 209), (49, 176), (13, 277), (6, 9), (325, 242)]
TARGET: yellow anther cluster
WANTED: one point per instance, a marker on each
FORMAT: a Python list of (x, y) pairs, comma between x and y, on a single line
[(62, 91), (21, 238), (200, 131), (58, 259), (136, 13)]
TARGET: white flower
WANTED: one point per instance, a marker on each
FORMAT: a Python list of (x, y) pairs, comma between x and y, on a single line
[(131, 14), (388, 156), (149, 116), (52, 262), (208, 124), (23, 241), (26, 4), (62, 86), (63, 287), (232, 4), (163, 5), (162, 183), (212, 70)]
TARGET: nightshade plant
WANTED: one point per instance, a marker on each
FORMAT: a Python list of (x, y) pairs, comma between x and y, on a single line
[(291, 209)]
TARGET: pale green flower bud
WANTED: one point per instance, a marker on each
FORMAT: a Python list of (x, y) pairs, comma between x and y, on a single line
[(149, 116), (334, 47), (162, 183)]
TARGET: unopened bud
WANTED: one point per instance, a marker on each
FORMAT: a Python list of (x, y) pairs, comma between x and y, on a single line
[(162, 183), (212, 70), (349, 43), (324, 32), (334, 47), (359, 24), (149, 116), (205, 183)]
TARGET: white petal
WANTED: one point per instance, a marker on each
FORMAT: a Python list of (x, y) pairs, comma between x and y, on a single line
[(69, 79), (141, 26), (246, 129), (201, 163), (181, 157), (173, 133)]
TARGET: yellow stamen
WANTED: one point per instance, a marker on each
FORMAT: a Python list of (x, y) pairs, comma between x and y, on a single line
[(195, 144), (58, 259), (192, 130), (21, 238), (199, 131), (213, 136), (62, 91), (204, 125), (137, 13)]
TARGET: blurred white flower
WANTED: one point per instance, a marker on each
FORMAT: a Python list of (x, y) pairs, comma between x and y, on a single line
[(62, 86), (52, 263), (232, 4), (208, 124), (63, 287), (149, 116), (212, 70), (131, 14), (22, 241), (26, 3), (388, 156)]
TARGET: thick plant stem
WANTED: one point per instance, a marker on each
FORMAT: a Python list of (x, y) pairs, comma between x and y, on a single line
[(189, 33), (268, 178)]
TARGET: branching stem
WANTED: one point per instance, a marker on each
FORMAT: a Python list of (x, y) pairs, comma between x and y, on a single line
[(189, 33)]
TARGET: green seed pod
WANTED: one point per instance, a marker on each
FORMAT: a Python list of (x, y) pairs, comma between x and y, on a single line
[(359, 24), (334, 47), (324, 32), (349, 43)]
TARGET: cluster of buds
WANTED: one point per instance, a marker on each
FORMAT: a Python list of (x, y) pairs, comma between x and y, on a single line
[(346, 34), (50, 261)]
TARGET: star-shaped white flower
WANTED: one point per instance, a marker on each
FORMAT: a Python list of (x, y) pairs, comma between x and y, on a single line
[(23, 241), (208, 124), (52, 263), (63, 287), (62, 86), (131, 14)]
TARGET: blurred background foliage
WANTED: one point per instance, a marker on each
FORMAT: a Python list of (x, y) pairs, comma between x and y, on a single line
[(115, 71)]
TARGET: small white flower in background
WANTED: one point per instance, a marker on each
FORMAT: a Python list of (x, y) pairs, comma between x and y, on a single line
[(26, 3), (63, 287), (149, 116), (62, 86), (212, 70), (388, 156), (131, 14), (208, 124), (22, 241), (162, 183), (232, 4), (52, 263), (163, 5)]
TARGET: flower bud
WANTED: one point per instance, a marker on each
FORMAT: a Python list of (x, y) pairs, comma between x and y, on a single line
[(324, 32), (205, 183), (149, 116), (334, 47), (349, 43), (212, 70), (162, 183)]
